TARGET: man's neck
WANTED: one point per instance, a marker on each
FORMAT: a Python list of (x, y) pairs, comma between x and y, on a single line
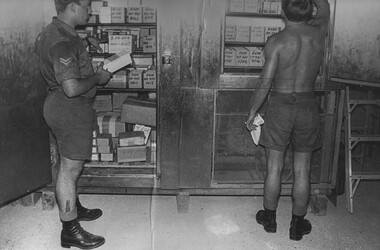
[(294, 24), (66, 19)]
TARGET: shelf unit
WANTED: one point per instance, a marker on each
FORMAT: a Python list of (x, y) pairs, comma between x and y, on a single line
[(113, 168), (242, 47), (354, 136)]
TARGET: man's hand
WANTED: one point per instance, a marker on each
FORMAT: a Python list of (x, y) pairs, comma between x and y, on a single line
[(104, 75), (250, 122)]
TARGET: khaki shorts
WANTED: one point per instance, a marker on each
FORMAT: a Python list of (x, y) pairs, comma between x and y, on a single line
[(72, 123), (291, 118)]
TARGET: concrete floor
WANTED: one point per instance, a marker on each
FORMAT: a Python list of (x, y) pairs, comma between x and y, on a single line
[(212, 223)]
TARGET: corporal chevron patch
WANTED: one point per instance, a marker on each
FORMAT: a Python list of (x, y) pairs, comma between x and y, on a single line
[(65, 61)]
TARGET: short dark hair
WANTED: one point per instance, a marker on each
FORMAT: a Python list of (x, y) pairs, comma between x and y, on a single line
[(60, 5), (298, 10)]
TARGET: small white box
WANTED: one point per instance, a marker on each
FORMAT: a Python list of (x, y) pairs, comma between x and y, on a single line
[(269, 31), (256, 57), (229, 57), (236, 5), (134, 15), (252, 6), (149, 15), (118, 15), (242, 57), (257, 34), (96, 6), (242, 33), (120, 42), (265, 9), (135, 79), (105, 15), (149, 44), (117, 61), (149, 79), (230, 33)]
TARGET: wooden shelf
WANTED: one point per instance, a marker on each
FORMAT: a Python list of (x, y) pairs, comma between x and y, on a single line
[(243, 44), (258, 15), (117, 25), (126, 90), (242, 70)]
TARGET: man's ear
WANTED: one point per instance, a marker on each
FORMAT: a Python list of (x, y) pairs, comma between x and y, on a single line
[(72, 6)]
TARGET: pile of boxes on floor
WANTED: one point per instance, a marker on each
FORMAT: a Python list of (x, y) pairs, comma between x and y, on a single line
[(250, 56), (126, 135)]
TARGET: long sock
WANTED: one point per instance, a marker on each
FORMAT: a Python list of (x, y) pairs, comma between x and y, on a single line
[(270, 212), (298, 217)]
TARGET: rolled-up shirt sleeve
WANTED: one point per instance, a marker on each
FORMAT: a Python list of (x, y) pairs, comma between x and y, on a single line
[(65, 61)]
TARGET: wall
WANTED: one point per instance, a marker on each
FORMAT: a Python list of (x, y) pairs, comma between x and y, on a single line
[(356, 45), (24, 141)]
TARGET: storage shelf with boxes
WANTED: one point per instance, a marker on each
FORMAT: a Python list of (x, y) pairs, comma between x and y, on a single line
[(126, 106), (248, 25)]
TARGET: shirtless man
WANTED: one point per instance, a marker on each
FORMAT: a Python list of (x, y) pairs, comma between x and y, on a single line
[(292, 60)]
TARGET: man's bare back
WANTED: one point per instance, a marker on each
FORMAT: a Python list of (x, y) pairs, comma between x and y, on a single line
[(292, 58), (300, 51)]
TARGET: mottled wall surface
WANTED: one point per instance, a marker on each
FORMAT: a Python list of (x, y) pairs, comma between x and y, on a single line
[(24, 141), (356, 46)]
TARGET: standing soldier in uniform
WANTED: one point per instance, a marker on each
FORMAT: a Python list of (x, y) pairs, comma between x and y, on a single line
[(68, 110)]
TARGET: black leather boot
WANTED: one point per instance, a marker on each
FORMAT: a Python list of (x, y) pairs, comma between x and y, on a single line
[(85, 214), (73, 235), (299, 227), (267, 220)]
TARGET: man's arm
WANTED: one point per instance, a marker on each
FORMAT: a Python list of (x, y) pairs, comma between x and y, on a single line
[(265, 81), (77, 87), (323, 14)]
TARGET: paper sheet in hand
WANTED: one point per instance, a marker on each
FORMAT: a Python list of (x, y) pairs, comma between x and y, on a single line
[(117, 61), (256, 133)]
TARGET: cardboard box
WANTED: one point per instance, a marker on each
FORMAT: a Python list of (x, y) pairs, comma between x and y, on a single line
[(265, 7), (104, 139), (256, 57), (149, 15), (275, 7), (105, 149), (230, 57), (242, 33), (120, 42), (149, 44), (242, 57), (230, 33), (118, 80), (139, 111), (236, 5), (118, 14), (103, 103), (134, 15), (111, 123), (96, 6), (269, 31), (132, 138), (145, 129), (257, 34), (119, 98), (117, 61), (95, 157), (131, 154), (106, 157), (252, 6), (135, 79), (149, 79), (105, 15)]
